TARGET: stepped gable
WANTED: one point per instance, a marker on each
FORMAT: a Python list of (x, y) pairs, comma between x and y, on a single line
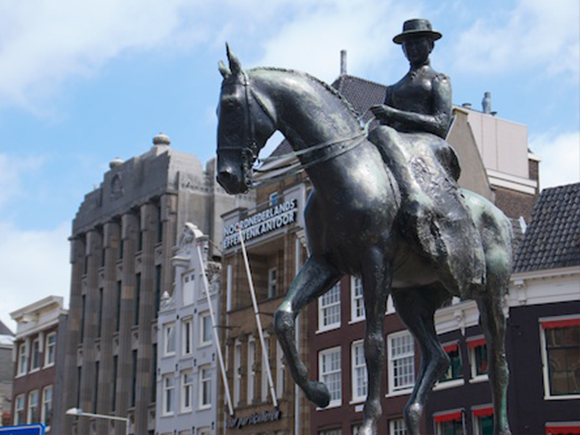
[(552, 239)]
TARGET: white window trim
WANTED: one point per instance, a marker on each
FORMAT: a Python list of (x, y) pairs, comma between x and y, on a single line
[(353, 299), (202, 317), (184, 385), (202, 370), (32, 368), (188, 280), (356, 399), (28, 414), (164, 411), (272, 282), (331, 326), (251, 381), (475, 378), (187, 324), (166, 328), (392, 422), (23, 370), (23, 409), (391, 375), (475, 419), (46, 350), (337, 402), (264, 386), (42, 409), (237, 372), (545, 371)]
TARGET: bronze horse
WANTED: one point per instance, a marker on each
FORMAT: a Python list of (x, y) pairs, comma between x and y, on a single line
[(352, 224)]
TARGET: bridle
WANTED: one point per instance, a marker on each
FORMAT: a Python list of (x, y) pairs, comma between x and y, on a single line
[(249, 152)]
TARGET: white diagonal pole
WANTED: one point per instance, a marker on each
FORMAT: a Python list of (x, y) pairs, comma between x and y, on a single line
[(214, 328), (258, 322)]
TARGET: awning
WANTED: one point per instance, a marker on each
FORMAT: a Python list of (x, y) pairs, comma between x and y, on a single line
[(475, 343), (450, 416), (450, 347), (562, 429), (483, 412), (563, 323)]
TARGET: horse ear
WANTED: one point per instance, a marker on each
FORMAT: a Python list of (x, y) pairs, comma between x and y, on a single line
[(224, 70), (235, 65)]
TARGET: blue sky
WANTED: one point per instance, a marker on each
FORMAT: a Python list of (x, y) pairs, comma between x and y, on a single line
[(82, 83)]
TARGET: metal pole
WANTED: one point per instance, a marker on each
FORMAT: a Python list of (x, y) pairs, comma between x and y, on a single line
[(258, 322), (215, 334)]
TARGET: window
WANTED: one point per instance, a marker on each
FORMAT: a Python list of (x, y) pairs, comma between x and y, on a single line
[(168, 394), (205, 329), (119, 295), (251, 369), (264, 383), (36, 356), (19, 410), (158, 283), (169, 338), (272, 282), (204, 387), (186, 391), (330, 373), (329, 309), (187, 336), (134, 378), (397, 427), (560, 350), (188, 288), (114, 388), (280, 371), (330, 432), (357, 306), (137, 298), (237, 372), (22, 358), (455, 370), (33, 416), (478, 358), (274, 198), (449, 423), (46, 416), (483, 420), (100, 318), (359, 372), (401, 361)]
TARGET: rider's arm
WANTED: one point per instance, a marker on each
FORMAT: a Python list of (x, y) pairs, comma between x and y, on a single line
[(438, 122)]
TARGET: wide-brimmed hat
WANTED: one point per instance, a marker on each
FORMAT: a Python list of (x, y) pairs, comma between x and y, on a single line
[(416, 27)]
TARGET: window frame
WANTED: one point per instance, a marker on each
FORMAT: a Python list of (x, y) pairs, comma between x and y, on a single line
[(447, 416), (478, 414), (205, 385), (357, 306), (355, 367), (272, 282), (392, 359), (187, 336), (18, 420), (264, 384), (280, 371), (43, 408), (29, 416), (472, 344), (251, 368), (542, 323), (323, 307), (188, 287), (186, 391), (237, 372), (50, 350), (457, 381), (35, 355), (22, 368), (322, 374), (400, 430), (166, 339), (168, 393), (202, 329)]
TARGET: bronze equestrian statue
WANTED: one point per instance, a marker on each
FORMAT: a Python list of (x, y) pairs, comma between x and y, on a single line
[(357, 223)]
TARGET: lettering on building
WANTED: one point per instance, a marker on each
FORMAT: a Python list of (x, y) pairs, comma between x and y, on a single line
[(255, 418)]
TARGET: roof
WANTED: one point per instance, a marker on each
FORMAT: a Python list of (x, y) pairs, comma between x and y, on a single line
[(552, 239), (4, 330)]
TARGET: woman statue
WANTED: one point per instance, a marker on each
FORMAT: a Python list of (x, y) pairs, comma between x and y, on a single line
[(415, 119)]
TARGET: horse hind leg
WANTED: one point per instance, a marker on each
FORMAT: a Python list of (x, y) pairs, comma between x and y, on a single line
[(493, 321), (314, 279), (417, 307)]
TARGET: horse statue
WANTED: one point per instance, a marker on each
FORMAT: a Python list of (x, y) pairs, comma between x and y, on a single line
[(352, 228)]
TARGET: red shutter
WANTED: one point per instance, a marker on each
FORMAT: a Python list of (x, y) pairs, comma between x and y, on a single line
[(552, 324), (558, 430), (450, 348), (451, 416), (475, 343), (483, 412)]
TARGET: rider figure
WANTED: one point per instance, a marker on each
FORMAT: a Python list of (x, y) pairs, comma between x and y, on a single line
[(418, 108)]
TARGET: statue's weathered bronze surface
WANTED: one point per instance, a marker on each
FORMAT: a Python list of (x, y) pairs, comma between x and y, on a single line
[(357, 223)]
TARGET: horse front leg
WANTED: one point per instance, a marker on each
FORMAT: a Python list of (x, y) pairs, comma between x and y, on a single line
[(376, 276), (315, 278)]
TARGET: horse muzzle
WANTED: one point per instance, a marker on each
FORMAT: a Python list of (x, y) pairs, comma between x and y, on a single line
[(233, 181)]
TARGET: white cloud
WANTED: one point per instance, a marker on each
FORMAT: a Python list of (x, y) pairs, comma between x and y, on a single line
[(534, 33), (34, 265), (560, 156), (11, 171)]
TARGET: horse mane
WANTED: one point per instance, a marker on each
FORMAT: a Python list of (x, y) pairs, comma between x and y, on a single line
[(316, 80)]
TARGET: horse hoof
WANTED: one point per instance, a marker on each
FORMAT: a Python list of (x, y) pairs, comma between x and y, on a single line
[(318, 394)]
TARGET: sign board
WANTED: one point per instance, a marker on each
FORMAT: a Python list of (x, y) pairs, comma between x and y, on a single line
[(24, 429)]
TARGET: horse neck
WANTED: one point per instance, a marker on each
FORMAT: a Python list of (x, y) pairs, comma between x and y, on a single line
[(307, 112)]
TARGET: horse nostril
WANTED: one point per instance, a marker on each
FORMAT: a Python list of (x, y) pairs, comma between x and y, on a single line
[(225, 174)]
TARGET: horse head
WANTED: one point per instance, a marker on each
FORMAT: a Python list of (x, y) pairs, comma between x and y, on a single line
[(245, 122)]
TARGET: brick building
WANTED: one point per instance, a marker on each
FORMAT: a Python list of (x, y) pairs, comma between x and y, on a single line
[(37, 341), (6, 374)]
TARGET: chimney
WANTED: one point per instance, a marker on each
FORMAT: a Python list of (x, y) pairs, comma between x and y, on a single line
[(342, 62), (466, 105), (486, 103)]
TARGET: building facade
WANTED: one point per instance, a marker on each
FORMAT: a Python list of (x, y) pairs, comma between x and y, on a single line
[(121, 247), (188, 364), (36, 347), (6, 374)]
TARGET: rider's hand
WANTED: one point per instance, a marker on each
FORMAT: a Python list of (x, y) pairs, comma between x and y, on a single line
[(380, 111)]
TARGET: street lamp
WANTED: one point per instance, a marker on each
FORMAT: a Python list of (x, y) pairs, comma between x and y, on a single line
[(80, 413)]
